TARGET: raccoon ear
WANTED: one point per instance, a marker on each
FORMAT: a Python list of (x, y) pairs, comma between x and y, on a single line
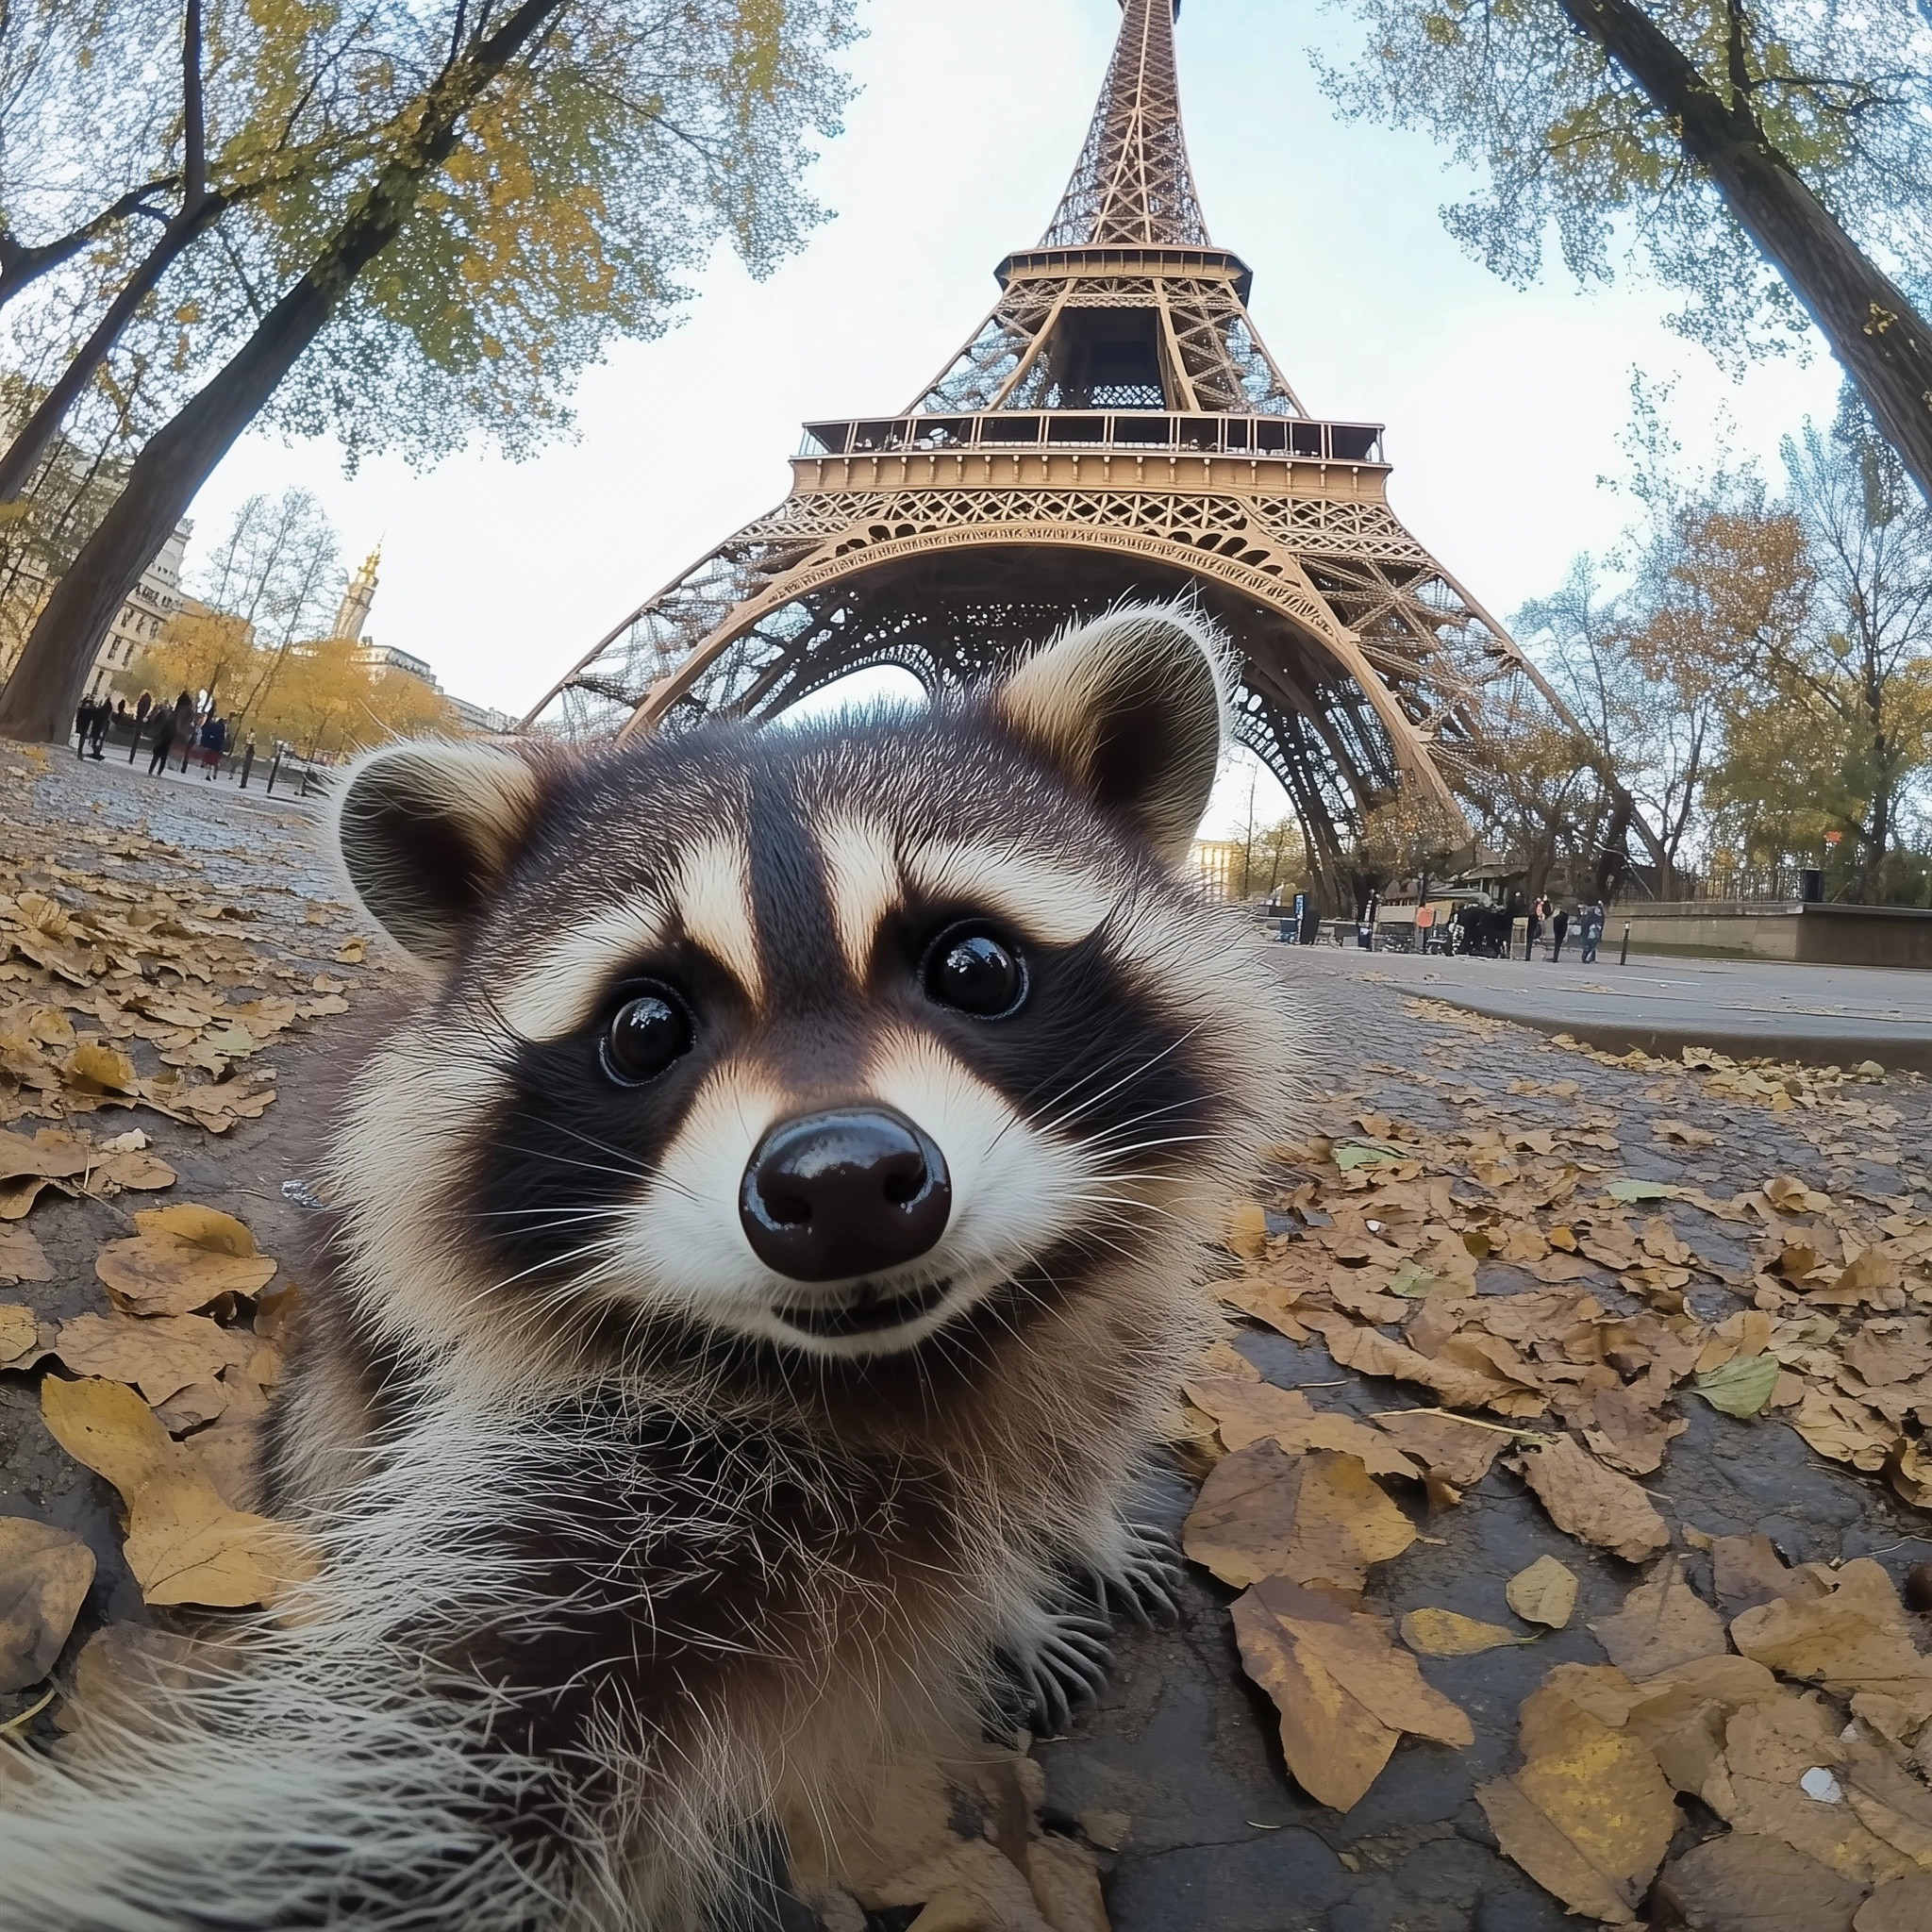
[(1133, 705), (425, 830)]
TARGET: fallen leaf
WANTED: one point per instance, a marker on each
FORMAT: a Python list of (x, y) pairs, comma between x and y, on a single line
[(20, 1336), (1745, 1882), (1663, 1623), (21, 1256), (1590, 1816), (1683, 1133), (1767, 1784), (1742, 1386), (1904, 1904), (102, 1066), (1319, 1517), (1254, 1411), (44, 1575), (1591, 1502), (1640, 1191), (159, 1354), (1345, 1693), (1851, 1637), (184, 1544), (1544, 1593), (1443, 1633), (1460, 1451), (184, 1258)]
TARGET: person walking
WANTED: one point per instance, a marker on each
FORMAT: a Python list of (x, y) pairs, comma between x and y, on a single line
[(1593, 930), (143, 706), (169, 720), (1535, 929), (214, 741), (1559, 926), (83, 724)]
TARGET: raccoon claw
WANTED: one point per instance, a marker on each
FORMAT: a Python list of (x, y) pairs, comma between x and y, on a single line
[(1147, 1585), (1067, 1667)]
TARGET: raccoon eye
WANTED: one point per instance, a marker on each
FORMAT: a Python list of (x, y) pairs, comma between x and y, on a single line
[(975, 972), (645, 1034)]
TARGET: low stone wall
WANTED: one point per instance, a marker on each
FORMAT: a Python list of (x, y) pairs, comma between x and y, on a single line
[(1818, 935)]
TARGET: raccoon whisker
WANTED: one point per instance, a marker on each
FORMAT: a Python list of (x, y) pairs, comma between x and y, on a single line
[(1093, 1100)]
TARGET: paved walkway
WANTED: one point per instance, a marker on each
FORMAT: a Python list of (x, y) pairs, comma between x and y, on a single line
[(1822, 1015)]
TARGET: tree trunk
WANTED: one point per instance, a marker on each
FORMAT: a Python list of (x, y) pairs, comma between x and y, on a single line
[(39, 701), (1880, 341), (23, 453)]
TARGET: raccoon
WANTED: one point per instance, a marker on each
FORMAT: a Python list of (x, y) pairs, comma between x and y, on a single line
[(761, 1258)]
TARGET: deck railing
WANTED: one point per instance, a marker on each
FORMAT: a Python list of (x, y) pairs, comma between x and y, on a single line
[(1135, 431)]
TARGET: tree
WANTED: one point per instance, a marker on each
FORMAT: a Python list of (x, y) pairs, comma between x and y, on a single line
[(547, 170), (1410, 836), (1536, 793), (1719, 138)]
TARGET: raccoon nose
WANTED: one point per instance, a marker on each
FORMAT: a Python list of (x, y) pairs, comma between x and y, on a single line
[(844, 1193)]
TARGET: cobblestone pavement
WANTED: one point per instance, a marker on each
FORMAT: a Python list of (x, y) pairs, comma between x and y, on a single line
[(1211, 1833)]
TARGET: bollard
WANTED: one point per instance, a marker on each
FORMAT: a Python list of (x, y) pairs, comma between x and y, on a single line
[(1623, 951), (304, 781), (247, 762), (274, 766)]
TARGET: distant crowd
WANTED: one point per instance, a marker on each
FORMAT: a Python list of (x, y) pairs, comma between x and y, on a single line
[(1488, 929), (178, 726)]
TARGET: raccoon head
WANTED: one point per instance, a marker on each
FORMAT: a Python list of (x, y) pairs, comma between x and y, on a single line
[(827, 1037)]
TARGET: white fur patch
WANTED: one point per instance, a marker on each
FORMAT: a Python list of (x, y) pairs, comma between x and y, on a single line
[(1050, 903), (863, 883), (713, 894), (560, 991)]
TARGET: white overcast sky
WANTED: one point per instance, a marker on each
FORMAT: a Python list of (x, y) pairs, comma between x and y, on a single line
[(1503, 406)]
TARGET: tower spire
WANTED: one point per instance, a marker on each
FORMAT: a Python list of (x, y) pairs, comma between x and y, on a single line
[(1132, 183)]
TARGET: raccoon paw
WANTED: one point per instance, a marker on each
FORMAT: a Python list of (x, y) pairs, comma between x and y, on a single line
[(1144, 1579), (1062, 1664)]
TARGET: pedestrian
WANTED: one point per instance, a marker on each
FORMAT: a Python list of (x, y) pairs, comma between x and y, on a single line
[(1592, 931), (144, 705), (214, 741), (1535, 929), (168, 719), (1559, 926), (83, 724), (98, 728)]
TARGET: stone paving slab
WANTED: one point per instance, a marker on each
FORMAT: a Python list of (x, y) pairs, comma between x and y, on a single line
[(1819, 1015)]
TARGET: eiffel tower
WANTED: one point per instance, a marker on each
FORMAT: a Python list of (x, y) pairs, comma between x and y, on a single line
[(1115, 428)]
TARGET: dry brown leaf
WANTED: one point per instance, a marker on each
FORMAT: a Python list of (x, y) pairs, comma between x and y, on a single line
[(1443, 1633), (1588, 1816), (1254, 1411), (1319, 1517), (1842, 1430), (1683, 1133), (1663, 1623), (1747, 1883), (1905, 1904), (1627, 1433), (1370, 1353), (1851, 1637), (44, 1575), (1460, 1451), (1262, 1300), (1345, 1693), (1594, 1503), (160, 1354), (1543, 1594), (1771, 1748), (184, 1544), (184, 1258), (19, 1336), (21, 1256), (100, 1067)]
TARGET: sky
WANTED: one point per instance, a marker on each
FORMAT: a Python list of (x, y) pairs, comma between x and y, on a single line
[(1504, 405)]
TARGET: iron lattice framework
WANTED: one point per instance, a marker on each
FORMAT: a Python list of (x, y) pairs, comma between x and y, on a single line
[(1114, 428)]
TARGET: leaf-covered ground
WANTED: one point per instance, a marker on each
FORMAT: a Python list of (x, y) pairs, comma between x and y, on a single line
[(1552, 1505)]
